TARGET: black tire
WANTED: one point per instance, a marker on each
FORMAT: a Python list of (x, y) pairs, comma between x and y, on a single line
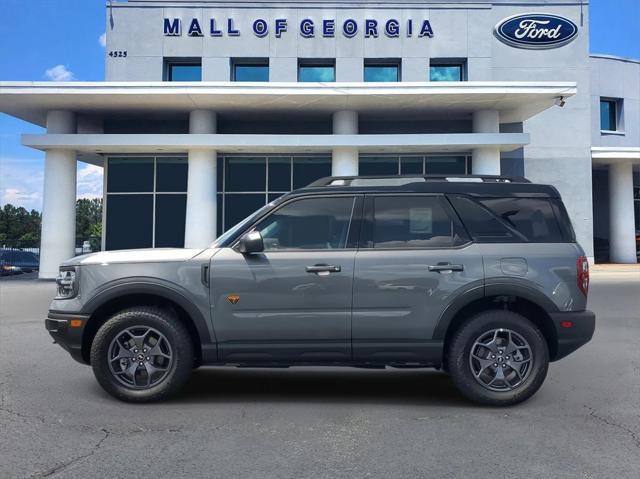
[(176, 369), (459, 362)]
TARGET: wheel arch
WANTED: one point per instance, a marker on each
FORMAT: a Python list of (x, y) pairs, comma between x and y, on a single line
[(124, 295), (525, 301)]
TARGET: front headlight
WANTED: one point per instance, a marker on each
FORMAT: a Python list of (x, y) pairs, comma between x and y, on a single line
[(67, 284)]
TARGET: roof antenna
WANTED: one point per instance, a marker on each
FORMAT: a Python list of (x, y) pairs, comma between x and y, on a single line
[(111, 22)]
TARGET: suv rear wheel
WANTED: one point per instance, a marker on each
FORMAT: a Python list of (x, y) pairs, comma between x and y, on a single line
[(498, 358), (142, 354)]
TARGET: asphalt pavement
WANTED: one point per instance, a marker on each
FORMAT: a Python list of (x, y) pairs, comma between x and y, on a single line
[(55, 421)]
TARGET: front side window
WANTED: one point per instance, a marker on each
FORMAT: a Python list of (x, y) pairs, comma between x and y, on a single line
[(608, 115), (317, 71), (446, 72), (310, 223), (411, 222), (184, 71)]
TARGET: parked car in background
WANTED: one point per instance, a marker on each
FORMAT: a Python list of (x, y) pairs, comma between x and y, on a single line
[(17, 261)]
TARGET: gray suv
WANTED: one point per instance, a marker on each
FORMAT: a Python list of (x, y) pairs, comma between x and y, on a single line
[(479, 276)]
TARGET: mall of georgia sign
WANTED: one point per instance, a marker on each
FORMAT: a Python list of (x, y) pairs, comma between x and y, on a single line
[(536, 31), (307, 28)]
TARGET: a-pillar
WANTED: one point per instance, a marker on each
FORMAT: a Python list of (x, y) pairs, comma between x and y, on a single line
[(200, 222), (486, 159), (58, 230), (344, 161), (622, 241)]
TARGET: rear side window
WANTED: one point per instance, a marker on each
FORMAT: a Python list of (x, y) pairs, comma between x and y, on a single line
[(411, 222)]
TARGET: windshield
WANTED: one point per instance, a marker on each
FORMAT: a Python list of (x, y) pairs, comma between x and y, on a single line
[(230, 233)]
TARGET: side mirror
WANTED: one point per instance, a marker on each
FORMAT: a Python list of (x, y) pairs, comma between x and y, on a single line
[(251, 243)]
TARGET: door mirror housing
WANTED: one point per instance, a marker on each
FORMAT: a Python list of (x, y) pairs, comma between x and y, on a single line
[(250, 243)]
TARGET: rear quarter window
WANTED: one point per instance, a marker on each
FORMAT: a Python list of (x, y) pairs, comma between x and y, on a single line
[(531, 217), (508, 220)]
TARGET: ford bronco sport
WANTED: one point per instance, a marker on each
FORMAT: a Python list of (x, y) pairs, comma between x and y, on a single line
[(479, 276)]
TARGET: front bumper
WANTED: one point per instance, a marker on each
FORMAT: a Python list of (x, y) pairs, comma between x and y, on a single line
[(573, 330), (67, 334)]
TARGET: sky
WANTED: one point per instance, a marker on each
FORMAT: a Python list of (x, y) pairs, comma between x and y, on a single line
[(63, 40)]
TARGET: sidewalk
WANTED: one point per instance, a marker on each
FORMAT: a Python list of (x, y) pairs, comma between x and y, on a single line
[(626, 271)]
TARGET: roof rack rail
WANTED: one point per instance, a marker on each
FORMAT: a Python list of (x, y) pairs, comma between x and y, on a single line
[(409, 179)]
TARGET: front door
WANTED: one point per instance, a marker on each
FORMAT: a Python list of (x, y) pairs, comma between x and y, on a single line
[(291, 302), (413, 261)]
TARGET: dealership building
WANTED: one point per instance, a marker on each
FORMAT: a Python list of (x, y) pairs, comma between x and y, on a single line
[(210, 109)]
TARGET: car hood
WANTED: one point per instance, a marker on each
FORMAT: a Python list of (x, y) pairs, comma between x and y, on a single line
[(151, 255)]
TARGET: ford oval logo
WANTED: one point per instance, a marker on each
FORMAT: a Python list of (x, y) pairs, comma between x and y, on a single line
[(536, 31)]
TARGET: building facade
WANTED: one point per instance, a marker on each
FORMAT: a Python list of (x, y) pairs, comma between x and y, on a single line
[(212, 108)]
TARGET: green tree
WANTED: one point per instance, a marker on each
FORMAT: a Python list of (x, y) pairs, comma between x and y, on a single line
[(16, 223), (88, 218)]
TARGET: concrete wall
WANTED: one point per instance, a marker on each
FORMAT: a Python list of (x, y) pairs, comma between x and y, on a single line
[(617, 78), (559, 152)]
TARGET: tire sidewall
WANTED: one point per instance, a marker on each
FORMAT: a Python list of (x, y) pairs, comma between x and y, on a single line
[(177, 337), (463, 340)]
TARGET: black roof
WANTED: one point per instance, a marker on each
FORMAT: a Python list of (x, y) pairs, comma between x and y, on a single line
[(474, 185)]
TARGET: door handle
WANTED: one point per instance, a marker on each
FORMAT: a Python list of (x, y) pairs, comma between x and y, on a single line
[(323, 268), (446, 267)]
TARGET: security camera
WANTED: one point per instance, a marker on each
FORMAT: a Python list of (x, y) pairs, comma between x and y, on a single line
[(560, 101)]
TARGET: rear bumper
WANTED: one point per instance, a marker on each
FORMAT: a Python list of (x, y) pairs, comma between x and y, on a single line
[(570, 338), (66, 335)]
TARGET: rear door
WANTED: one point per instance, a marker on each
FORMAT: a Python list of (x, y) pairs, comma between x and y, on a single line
[(414, 260)]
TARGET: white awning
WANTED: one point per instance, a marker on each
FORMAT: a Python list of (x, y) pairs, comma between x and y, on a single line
[(515, 101)]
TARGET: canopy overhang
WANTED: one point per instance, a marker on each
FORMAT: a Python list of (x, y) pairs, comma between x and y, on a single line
[(515, 101)]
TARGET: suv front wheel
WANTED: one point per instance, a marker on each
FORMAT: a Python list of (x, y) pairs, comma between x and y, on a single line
[(142, 354), (498, 358)]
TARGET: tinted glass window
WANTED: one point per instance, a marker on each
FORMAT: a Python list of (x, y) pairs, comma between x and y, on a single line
[(483, 226), (531, 217), (608, 115), (381, 73), (130, 175), (171, 174), (313, 223), (445, 72), (411, 222), (279, 174), (411, 166), (308, 170), (170, 220), (319, 73), (129, 221), (372, 166), (250, 72), (446, 165), (238, 206), (245, 174), (184, 72)]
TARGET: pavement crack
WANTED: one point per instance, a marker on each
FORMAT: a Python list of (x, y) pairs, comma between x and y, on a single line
[(20, 415), (65, 465), (634, 435)]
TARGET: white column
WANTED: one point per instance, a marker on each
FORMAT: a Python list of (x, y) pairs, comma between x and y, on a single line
[(58, 230), (200, 223), (344, 160), (622, 242), (486, 159)]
